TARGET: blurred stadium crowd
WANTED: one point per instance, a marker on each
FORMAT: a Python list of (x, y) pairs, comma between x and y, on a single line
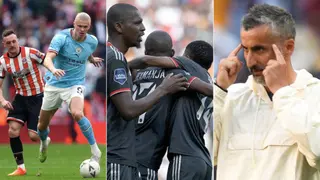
[(37, 21), (227, 19), (185, 21)]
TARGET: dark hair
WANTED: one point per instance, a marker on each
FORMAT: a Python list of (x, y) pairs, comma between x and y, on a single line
[(159, 43), (7, 32), (201, 52), (118, 13), (280, 21)]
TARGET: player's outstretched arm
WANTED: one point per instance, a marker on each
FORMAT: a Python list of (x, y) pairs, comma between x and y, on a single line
[(4, 103), (129, 109), (202, 87), (48, 63), (152, 61)]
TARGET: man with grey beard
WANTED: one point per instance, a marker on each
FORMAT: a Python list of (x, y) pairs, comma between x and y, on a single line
[(268, 127)]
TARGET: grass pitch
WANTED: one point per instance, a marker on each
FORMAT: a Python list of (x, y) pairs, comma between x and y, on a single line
[(63, 162)]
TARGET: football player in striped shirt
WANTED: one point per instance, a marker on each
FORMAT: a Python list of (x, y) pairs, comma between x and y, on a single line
[(22, 63)]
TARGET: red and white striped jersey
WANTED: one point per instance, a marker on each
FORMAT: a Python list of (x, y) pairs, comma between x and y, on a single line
[(24, 70)]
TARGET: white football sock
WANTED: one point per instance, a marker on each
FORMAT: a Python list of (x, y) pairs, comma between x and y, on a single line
[(22, 166), (95, 150)]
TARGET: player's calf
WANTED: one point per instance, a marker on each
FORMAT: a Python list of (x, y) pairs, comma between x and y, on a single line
[(76, 110), (33, 135), (87, 131), (45, 117), (16, 146), (17, 150)]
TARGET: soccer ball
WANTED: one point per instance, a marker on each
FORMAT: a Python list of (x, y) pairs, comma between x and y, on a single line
[(89, 169)]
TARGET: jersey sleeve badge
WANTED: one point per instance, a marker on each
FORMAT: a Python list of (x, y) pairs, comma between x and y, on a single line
[(120, 76)]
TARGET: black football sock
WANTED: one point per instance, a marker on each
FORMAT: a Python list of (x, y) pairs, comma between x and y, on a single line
[(17, 150)]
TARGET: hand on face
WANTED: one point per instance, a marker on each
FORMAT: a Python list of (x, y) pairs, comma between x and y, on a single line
[(276, 72), (229, 69)]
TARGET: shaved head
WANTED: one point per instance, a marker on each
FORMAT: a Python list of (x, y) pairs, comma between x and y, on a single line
[(120, 12), (82, 16), (81, 24), (159, 43)]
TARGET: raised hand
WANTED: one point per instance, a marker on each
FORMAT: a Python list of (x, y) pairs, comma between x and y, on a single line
[(229, 68), (276, 72)]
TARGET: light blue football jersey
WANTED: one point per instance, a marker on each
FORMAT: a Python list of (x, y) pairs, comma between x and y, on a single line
[(72, 57)]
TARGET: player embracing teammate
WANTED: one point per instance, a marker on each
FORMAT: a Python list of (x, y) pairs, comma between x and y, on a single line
[(132, 95)]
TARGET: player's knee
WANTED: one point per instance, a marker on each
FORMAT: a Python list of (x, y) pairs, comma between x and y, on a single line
[(33, 135), (77, 115), (13, 131)]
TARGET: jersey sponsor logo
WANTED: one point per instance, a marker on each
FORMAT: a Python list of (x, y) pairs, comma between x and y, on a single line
[(77, 63), (21, 73), (120, 76)]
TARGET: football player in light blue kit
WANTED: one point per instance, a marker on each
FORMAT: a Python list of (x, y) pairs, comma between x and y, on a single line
[(66, 60)]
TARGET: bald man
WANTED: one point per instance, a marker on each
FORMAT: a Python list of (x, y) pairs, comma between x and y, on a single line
[(68, 53)]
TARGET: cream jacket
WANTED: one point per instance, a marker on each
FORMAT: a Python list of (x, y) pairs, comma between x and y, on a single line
[(259, 139)]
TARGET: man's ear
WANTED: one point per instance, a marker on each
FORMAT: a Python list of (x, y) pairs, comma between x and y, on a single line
[(173, 52), (119, 27), (288, 47)]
